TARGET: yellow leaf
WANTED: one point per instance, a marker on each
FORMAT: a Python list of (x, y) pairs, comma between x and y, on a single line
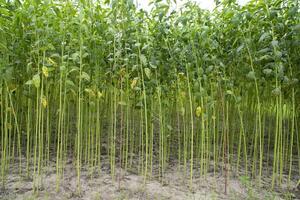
[(8, 109), (45, 71), (198, 111), (182, 110), (181, 74), (182, 94), (100, 95), (52, 61), (90, 92), (8, 125), (122, 71), (44, 102), (133, 83)]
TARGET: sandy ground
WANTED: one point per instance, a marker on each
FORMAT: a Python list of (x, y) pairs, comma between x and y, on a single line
[(130, 185)]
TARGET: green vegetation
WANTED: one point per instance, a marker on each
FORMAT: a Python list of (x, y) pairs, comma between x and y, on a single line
[(81, 79)]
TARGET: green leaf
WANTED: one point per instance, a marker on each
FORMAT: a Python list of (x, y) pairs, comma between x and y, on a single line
[(148, 72), (245, 180), (85, 76), (55, 55), (137, 88), (138, 44), (139, 104), (251, 75), (85, 55), (62, 68), (263, 37), (265, 50), (70, 83), (265, 57), (292, 11), (296, 27), (295, 81), (28, 82), (278, 54), (36, 80), (122, 103), (240, 48), (143, 59), (229, 92), (274, 43), (75, 56), (276, 91), (153, 66), (267, 72), (169, 127)]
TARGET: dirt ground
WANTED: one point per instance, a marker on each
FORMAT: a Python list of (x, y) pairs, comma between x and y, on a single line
[(130, 185)]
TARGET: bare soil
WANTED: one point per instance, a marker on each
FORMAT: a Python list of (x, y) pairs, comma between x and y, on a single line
[(130, 185)]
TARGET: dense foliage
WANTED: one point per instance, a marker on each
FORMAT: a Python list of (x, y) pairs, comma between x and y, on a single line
[(84, 79)]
